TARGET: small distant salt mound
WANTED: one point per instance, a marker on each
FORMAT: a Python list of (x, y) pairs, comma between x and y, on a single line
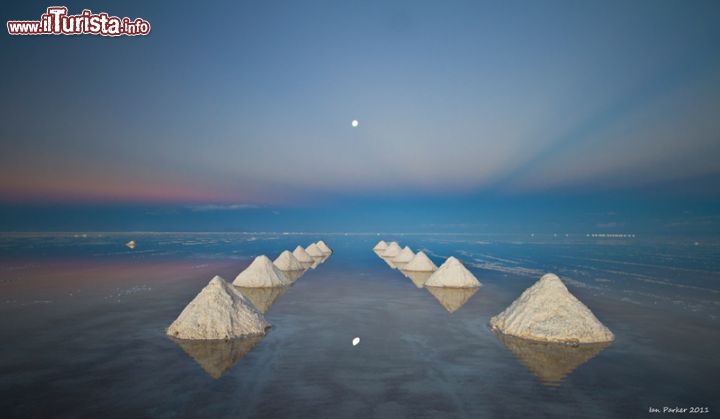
[(548, 312), (380, 246), (405, 256), (302, 256), (314, 251), (287, 262), (324, 247), (131, 244), (218, 312), (393, 249), (452, 274), (420, 263), (261, 273)]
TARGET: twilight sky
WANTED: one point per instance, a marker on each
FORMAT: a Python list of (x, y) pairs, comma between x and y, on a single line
[(250, 103)]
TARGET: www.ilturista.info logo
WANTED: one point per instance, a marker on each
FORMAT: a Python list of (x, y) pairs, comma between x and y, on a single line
[(57, 22)]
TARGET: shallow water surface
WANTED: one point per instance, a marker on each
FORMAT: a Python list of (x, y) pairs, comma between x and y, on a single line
[(83, 318)]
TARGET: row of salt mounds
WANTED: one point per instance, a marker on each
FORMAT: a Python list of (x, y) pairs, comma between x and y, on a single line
[(452, 287), (262, 273), (420, 263), (548, 312), (218, 312), (452, 274)]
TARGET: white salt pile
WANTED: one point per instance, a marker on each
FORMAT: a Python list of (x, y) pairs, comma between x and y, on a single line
[(314, 251), (287, 262), (261, 273), (420, 263), (452, 274), (393, 249), (302, 256), (548, 312), (218, 312), (324, 247), (405, 256), (380, 246)]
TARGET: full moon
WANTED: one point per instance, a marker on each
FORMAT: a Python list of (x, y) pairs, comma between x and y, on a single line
[(354, 123)]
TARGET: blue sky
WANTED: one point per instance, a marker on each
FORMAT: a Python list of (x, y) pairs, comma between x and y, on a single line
[(250, 103)]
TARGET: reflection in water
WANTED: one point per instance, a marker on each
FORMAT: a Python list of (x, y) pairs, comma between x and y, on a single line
[(293, 275), (262, 298), (217, 357), (452, 298), (318, 260), (389, 262), (418, 278), (550, 361)]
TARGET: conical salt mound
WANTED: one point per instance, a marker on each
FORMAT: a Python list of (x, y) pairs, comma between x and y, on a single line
[(314, 251), (550, 361), (261, 273), (420, 263), (405, 255), (392, 250), (302, 256), (218, 312), (217, 357), (287, 262), (380, 246), (548, 312), (452, 274), (452, 298), (324, 247)]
